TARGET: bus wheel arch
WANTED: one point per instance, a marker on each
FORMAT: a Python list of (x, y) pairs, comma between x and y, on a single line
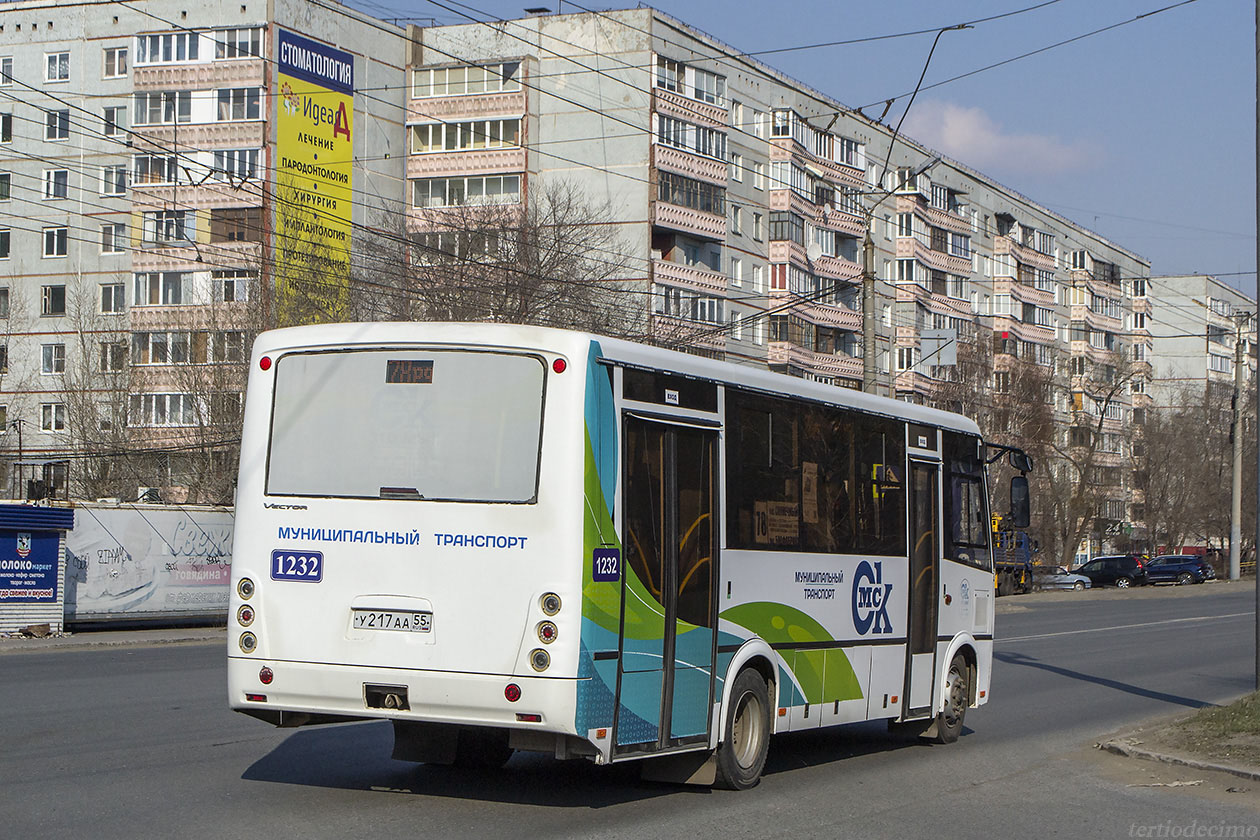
[(958, 693)]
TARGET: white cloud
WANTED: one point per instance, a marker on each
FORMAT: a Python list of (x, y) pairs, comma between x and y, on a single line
[(972, 137)]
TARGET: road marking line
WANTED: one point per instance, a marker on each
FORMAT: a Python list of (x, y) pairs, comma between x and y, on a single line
[(1123, 627)]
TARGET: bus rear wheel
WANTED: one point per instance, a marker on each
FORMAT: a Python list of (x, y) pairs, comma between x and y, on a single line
[(742, 754)]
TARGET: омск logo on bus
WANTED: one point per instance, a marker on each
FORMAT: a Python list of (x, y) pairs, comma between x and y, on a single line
[(870, 599)]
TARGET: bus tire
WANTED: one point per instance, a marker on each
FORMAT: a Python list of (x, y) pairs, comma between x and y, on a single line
[(742, 754), (949, 722)]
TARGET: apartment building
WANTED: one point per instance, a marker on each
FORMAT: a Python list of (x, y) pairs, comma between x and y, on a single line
[(164, 194), (151, 195), (1191, 341)]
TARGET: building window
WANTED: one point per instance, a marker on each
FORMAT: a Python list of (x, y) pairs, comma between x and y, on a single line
[(113, 179), (164, 107), (5, 181), (669, 74), (56, 183), (759, 175), (53, 358), (52, 417), (113, 237), (55, 241), (236, 224), (6, 70), (113, 356), (4, 301), (688, 192), (238, 43), (163, 226), (53, 300), (709, 87), (57, 124), (4, 254), (113, 298), (737, 164), (462, 136), (154, 288), (477, 189), (459, 81), (167, 49), (234, 163), (239, 104), (231, 285), (114, 117), (115, 62), (162, 410), (1139, 287), (154, 169), (6, 128), (57, 67)]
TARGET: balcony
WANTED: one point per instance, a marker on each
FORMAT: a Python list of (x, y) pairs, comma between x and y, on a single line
[(478, 162), (697, 222), (691, 277), (685, 108), (200, 75), (689, 164), (469, 106)]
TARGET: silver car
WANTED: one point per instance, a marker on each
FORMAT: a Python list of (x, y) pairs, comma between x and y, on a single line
[(1057, 577)]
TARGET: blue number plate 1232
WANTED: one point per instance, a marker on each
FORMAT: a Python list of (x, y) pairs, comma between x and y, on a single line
[(297, 565)]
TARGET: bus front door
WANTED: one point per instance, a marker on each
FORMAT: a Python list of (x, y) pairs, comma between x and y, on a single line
[(669, 538), (924, 574)]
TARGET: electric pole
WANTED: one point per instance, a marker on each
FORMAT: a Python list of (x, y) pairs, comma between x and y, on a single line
[(1235, 434)]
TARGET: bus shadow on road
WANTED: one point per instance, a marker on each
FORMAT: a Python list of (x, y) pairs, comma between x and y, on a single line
[(1128, 688), (355, 756)]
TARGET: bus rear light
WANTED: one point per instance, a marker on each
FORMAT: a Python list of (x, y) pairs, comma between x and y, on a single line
[(550, 603), (265, 363), (559, 365), (248, 642), (539, 659), (547, 632), (245, 589), (528, 718), (245, 615), (256, 698), (266, 675), (512, 692)]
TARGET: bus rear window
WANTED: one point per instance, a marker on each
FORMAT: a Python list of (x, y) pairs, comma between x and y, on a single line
[(446, 425)]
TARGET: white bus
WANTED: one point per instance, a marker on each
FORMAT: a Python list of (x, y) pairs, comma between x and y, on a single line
[(503, 537)]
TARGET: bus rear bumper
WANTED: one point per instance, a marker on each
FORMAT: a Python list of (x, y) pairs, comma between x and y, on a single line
[(318, 692)]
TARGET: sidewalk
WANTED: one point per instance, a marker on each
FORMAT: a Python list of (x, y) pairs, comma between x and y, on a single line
[(1228, 746), (95, 639)]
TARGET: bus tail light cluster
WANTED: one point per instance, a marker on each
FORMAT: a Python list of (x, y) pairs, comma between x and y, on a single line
[(539, 659), (245, 615)]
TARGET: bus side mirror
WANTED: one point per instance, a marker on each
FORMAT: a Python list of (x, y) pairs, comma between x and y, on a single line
[(1020, 512), (1021, 461)]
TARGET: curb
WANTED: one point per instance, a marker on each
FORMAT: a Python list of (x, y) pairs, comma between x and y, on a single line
[(77, 643), (1125, 748)]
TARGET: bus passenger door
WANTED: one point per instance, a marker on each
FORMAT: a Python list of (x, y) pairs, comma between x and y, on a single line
[(669, 538), (924, 576)]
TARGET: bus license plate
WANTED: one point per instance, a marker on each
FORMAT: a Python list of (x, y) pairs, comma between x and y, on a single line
[(406, 621)]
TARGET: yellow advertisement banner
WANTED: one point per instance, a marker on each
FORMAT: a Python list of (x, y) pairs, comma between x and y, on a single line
[(314, 194)]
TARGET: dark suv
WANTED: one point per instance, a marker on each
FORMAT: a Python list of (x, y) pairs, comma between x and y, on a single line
[(1123, 570), (1179, 569)]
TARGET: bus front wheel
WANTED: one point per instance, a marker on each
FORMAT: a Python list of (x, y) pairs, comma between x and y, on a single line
[(949, 722), (742, 754)]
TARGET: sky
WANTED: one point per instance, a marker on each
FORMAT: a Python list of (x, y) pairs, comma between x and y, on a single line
[(1144, 133)]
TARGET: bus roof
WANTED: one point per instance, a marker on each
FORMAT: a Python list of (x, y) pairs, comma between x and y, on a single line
[(614, 350)]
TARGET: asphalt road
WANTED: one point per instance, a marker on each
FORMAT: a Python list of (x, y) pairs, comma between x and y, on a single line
[(137, 742)]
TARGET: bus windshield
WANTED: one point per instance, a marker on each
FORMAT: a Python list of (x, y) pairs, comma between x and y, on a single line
[(405, 424)]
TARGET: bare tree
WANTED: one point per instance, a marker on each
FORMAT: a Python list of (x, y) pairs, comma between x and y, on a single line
[(558, 260)]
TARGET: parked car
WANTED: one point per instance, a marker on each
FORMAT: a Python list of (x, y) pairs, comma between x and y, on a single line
[(1122, 570), (1057, 577), (1179, 569)]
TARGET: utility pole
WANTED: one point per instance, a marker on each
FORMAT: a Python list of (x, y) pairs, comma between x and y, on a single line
[(868, 309), (1235, 434), (1256, 68)]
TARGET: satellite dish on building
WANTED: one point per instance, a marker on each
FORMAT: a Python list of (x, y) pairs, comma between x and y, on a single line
[(813, 251)]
